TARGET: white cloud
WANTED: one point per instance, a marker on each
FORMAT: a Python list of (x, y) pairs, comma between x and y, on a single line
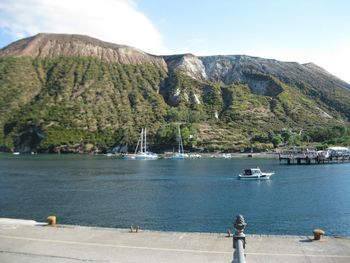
[(116, 21)]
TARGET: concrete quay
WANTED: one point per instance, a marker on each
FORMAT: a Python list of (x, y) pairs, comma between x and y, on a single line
[(29, 241)]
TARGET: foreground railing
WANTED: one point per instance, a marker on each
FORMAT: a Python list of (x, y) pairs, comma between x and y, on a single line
[(239, 240)]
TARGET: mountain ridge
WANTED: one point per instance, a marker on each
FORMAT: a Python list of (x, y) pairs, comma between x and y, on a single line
[(51, 45), (38, 46)]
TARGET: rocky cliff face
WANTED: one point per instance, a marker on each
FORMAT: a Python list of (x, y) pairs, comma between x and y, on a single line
[(236, 68), (240, 68), (188, 63), (53, 45), (262, 75)]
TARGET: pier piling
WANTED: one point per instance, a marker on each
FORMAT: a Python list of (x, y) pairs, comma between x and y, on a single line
[(309, 155)]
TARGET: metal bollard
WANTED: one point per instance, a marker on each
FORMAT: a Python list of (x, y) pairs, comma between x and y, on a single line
[(239, 240), (51, 220)]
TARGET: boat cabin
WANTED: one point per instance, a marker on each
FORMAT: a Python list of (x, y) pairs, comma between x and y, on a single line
[(252, 171)]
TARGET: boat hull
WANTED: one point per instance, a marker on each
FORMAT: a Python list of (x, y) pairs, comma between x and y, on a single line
[(146, 157), (262, 177), (179, 156), (141, 156)]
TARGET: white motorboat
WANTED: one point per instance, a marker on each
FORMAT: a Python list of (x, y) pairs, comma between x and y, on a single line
[(141, 152), (255, 173)]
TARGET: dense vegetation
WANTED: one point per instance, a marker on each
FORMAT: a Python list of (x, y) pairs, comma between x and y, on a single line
[(83, 104)]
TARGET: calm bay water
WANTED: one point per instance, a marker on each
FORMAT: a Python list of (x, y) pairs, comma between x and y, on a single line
[(176, 195)]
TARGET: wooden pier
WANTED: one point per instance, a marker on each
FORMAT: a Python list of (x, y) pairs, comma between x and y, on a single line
[(297, 159), (311, 156)]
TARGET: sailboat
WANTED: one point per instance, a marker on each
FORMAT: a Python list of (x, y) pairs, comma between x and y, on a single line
[(180, 154), (141, 152)]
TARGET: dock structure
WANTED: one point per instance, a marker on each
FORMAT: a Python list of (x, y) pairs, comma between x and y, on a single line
[(23, 241), (309, 155)]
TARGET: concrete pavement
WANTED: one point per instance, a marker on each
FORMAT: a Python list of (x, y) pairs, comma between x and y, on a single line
[(37, 243)]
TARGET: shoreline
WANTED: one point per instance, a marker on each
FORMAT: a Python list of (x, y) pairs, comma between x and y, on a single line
[(33, 223), (265, 155)]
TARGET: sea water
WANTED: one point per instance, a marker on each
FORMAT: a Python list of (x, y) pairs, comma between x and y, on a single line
[(196, 195)]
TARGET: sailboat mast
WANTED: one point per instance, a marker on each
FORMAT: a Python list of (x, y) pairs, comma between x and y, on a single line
[(141, 148), (179, 137), (182, 145), (145, 141)]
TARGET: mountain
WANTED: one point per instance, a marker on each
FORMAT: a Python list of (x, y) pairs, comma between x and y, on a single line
[(74, 93)]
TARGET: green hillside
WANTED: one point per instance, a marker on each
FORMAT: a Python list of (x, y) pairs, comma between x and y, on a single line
[(84, 104)]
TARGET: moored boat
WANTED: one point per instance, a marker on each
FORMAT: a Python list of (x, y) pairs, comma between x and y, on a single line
[(226, 155), (255, 173), (141, 152), (180, 155)]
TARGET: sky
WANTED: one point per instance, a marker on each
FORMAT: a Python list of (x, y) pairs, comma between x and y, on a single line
[(289, 30)]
